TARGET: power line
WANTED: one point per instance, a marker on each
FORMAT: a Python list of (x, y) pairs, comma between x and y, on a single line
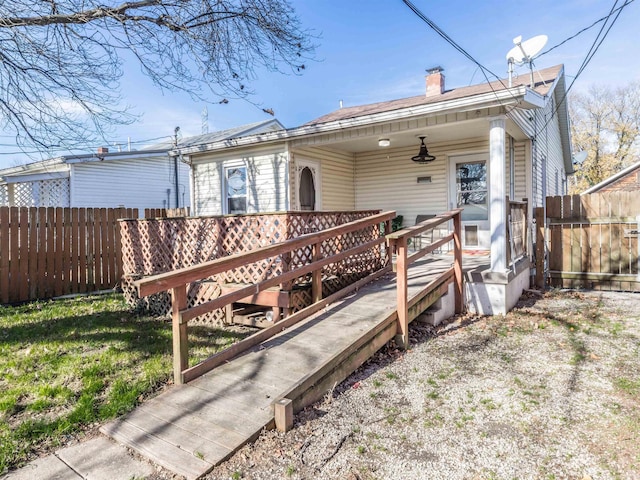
[(597, 42), (63, 149), (460, 49), (606, 17)]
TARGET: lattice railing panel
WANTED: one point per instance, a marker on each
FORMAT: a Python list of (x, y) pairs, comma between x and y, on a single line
[(23, 195), (4, 195), (153, 246), (42, 193), (55, 192)]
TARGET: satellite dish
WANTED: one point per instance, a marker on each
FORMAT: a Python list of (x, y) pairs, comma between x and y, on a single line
[(579, 157), (524, 52)]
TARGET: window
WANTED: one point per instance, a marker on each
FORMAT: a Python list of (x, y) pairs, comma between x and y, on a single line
[(471, 190), (307, 190), (236, 189)]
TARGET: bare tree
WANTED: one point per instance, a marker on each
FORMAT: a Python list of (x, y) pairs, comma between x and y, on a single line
[(60, 60), (605, 123)]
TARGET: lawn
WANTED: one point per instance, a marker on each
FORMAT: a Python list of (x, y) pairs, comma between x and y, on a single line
[(69, 365)]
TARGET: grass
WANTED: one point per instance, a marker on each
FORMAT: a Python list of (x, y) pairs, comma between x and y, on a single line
[(68, 365)]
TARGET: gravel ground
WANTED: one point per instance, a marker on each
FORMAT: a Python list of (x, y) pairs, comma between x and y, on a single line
[(551, 391)]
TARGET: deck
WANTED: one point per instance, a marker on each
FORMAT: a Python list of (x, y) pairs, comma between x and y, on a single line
[(191, 428)]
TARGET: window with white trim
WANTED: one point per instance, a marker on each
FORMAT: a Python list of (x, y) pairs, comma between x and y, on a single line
[(235, 183)]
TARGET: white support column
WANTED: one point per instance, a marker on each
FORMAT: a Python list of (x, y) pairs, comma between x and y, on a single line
[(497, 209)]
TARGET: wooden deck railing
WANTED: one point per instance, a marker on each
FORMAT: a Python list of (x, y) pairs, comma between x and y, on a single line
[(399, 240), (178, 280), (160, 245)]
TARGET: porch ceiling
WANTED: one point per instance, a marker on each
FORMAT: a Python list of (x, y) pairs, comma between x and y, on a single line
[(405, 135)]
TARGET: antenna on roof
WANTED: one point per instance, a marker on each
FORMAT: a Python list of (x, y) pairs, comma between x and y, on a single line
[(204, 118), (525, 52)]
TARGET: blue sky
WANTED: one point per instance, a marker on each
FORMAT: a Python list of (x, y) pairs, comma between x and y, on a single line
[(375, 50)]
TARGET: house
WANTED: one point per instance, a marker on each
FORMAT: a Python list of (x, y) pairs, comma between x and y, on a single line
[(489, 141), (626, 180), (148, 178)]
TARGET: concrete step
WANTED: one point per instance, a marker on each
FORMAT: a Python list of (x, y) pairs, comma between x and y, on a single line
[(441, 310)]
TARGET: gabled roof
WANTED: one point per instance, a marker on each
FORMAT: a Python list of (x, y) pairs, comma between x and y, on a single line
[(612, 178), (543, 78), (547, 81)]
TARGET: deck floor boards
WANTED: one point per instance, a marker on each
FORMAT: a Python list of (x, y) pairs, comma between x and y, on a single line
[(191, 428)]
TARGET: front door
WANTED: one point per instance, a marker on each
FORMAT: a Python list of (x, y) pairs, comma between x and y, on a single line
[(469, 187)]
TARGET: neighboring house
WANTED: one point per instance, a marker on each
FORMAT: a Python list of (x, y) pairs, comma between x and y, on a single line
[(489, 141), (139, 179), (626, 180), (149, 178)]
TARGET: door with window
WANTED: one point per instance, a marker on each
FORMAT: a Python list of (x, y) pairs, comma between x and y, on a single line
[(235, 189), (469, 187), (308, 194)]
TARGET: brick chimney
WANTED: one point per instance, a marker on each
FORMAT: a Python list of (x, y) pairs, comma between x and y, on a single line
[(435, 81), (102, 150)]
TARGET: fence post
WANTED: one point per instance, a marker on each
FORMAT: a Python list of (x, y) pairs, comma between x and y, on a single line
[(402, 338), (539, 213), (457, 263), (316, 277), (179, 331)]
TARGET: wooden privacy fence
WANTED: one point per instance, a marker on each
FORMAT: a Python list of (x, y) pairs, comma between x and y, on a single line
[(591, 241), (48, 252), (159, 245), (308, 256), (166, 212)]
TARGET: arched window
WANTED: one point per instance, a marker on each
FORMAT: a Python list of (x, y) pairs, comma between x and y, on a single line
[(307, 190)]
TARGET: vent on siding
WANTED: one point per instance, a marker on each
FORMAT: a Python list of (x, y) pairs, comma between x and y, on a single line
[(424, 179)]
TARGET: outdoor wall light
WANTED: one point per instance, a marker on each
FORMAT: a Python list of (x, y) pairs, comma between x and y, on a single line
[(423, 155), (384, 142)]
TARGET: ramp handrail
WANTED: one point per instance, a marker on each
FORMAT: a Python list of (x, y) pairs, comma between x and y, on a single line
[(400, 239), (178, 280)]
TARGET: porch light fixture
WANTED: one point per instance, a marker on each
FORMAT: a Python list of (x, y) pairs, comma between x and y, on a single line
[(384, 142), (423, 155)]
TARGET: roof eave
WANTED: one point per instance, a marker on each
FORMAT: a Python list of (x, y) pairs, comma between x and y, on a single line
[(502, 97), (94, 157), (558, 90), (612, 178), (33, 177)]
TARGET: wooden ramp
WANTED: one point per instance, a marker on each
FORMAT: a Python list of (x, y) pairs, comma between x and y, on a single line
[(193, 427)]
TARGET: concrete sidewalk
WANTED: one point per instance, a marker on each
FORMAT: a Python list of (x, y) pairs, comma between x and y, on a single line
[(95, 459)]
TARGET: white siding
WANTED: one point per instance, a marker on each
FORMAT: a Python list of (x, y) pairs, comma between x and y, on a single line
[(207, 188), (547, 147), (387, 179), (267, 178), (135, 183), (520, 170), (337, 178)]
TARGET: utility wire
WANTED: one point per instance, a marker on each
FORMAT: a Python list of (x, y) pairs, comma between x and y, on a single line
[(597, 42), (459, 48), (585, 29), (63, 149)]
